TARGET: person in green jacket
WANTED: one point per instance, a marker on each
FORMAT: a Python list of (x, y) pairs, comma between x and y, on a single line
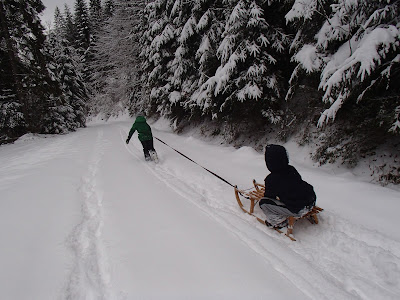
[(145, 136)]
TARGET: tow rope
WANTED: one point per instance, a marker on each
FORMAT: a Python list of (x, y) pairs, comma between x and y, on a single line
[(211, 172)]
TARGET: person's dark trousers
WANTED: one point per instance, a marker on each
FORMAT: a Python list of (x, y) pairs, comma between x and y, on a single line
[(147, 146)]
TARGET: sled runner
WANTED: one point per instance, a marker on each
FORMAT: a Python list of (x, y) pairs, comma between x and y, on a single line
[(255, 194)]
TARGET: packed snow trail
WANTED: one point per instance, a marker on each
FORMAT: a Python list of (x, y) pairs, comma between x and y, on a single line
[(353, 254), (161, 246), (83, 216), (39, 205)]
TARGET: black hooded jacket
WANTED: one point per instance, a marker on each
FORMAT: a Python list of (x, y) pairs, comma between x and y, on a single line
[(285, 182)]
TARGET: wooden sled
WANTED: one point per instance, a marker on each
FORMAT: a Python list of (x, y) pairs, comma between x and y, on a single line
[(255, 194)]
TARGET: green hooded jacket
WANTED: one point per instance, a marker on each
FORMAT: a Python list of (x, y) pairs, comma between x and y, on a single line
[(143, 129)]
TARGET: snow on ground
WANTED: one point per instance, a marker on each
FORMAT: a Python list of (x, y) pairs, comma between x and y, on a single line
[(83, 216)]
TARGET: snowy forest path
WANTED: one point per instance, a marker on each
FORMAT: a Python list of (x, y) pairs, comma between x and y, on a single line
[(318, 285), (155, 236), (89, 278), (84, 216), (43, 191)]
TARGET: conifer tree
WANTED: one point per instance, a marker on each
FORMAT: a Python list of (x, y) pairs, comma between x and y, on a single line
[(82, 24), (96, 13), (59, 22), (198, 28), (73, 108), (159, 47), (32, 77), (210, 16), (355, 51), (96, 22), (70, 33), (67, 70), (182, 72), (11, 116), (248, 82), (12, 119), (84, 39)]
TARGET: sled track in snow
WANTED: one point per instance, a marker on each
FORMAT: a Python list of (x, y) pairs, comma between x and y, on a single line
[(89, 277), (317, 258)]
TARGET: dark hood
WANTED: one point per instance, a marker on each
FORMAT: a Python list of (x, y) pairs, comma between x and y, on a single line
[(276, 158), (140, 119)]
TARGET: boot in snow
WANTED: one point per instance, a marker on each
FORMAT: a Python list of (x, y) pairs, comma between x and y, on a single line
[(154, 156)]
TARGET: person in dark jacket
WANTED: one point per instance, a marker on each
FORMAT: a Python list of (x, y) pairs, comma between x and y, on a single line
[(145, 136), (286, 194)]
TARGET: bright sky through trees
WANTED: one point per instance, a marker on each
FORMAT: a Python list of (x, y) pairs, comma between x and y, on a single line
[(48, 14)]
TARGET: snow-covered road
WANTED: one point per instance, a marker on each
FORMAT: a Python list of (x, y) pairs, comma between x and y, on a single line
[(83, 216)]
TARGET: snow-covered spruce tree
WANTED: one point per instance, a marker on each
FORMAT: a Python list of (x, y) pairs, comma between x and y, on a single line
[(199, 29), (136, 86), (70, 28), (355, 51), (248, 82), (11, 117), (159, 46), (59, 23), (116, 82), (65, 32), (11, 90), (97, 19), (82, 24), (73, 88), (36, 88), (83, 38), (96, 14), (210, 16), (182, 71)]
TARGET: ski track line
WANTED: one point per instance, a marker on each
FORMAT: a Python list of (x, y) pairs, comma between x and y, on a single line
[(90, 277), (319, 286)]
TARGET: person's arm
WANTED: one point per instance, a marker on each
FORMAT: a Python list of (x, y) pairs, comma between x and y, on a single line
[(131, 132), (269, 189)]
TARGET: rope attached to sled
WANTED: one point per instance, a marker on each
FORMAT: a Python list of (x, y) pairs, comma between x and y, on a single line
[(211, 172)]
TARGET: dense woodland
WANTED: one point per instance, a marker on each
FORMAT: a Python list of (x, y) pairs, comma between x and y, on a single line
[(325, 73)]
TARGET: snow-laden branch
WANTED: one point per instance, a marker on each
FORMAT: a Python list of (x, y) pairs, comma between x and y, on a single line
[(302, 9), (188, 29)]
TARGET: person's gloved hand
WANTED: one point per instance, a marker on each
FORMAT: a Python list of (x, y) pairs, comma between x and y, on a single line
[(127, 141)]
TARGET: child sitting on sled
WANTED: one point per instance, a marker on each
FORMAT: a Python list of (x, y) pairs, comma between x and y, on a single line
[(145, 137), (286, 194)]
